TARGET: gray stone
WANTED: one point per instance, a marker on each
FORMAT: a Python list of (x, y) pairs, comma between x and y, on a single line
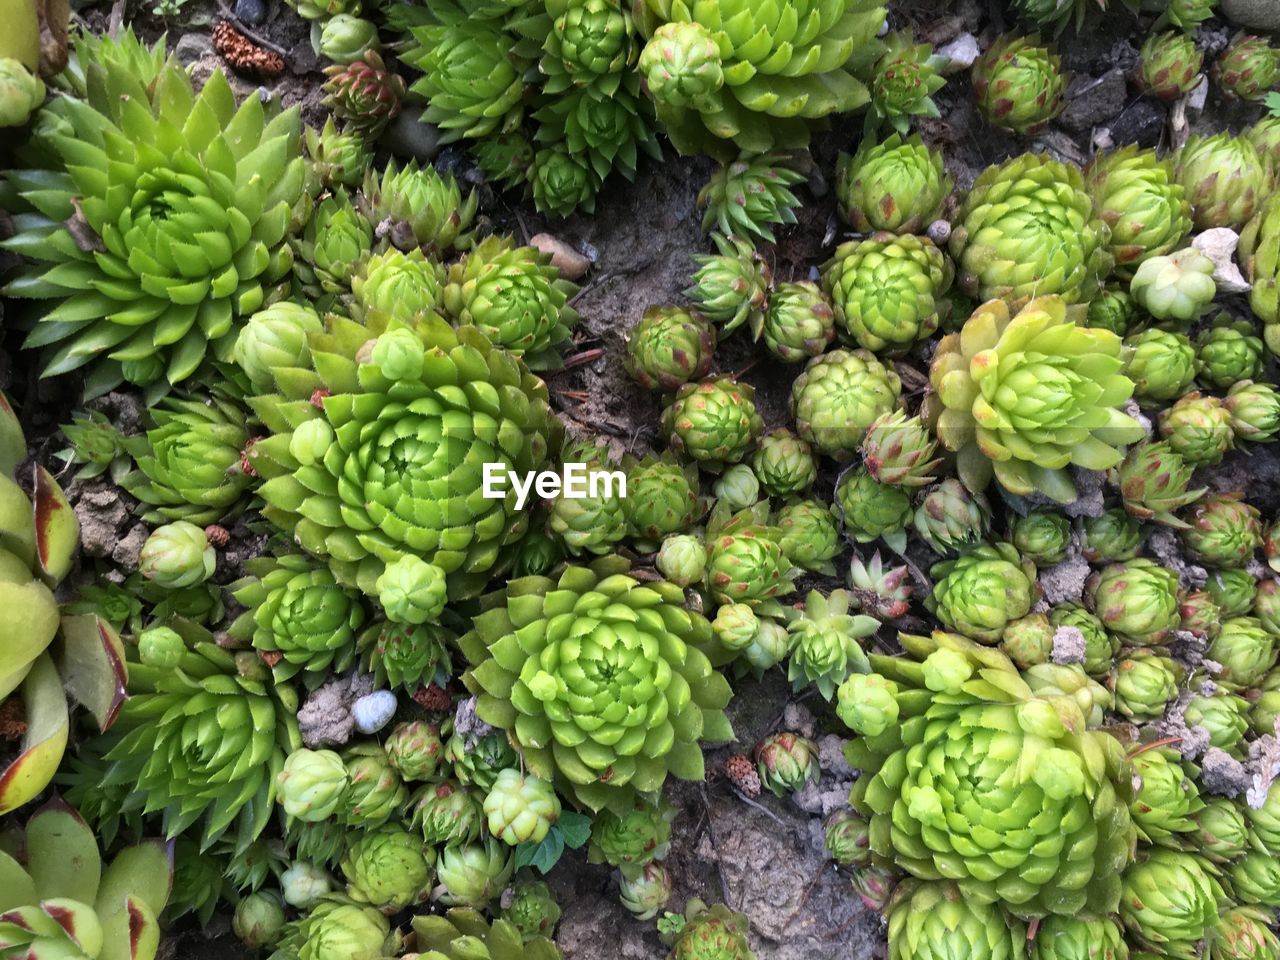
[(1092, 101), (411, 138), (1141, 122), (192, 47), (251, 12), (1255, 14)]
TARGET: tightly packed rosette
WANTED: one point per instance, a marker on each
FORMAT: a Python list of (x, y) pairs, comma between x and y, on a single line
[(1027, 395), (600, 679), (983, 781), (378, 449)]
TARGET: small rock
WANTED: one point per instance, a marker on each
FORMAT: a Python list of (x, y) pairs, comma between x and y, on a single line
[(571, 264), (128, 551), (796, 716), (1197, 98), (325, 719), (1093, 101), (1255, 14), (253, 13), (1141, 122), (1068, 645), (1064, 582), (101, 515), (192, 47), (1219, 245), (960, 54), (411, 137), (373, 712), (831, 757), (939, 232)]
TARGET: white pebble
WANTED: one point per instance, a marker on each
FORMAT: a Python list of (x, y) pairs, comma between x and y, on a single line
[(373, 712)]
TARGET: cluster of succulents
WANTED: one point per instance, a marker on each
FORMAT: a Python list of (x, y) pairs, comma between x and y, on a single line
[(335, 680)]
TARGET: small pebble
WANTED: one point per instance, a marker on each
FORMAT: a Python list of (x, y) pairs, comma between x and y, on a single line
[(252, 13), (571, 264), (411, 138), (374, 711)]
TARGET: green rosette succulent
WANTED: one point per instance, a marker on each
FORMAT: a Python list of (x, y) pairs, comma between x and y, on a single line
[(1062, 679), (365, 94), (870, 509), (746, 197), (1265, 136), (396, 287), (388, 868), (345, 38), (403, 655), (632, 837), (563, 182), (934, 920), (335, 158), (410, 590), (474, 874), (1135, 194), (1171, 900), (1169, 65), (745, 560), (645, 892), (898, 450), (799, 322), (1255, 879), (188, 222), (533, 909), (1161, 364), (1221, 834), (787, 761), (1023, 396), (1186, 15), (1042, 536), (1227, 353), (682, 560), (419, 207), (1248, 69), (610, 132), (838, 396), (757, 77), (662, 498), (731, 287), (416, 750), (336, 239), (478, 759), (847, 838), (1144, 683), (824, 642), (177, 555), (1100, 647), (1266, 607), (1245, 651), (520, 809), (1167, 800), (984, 590), (1200, 613), (21, 92), (1222, 531), (1224, 716), (1112, 537), (897, 185), (1255, 411), (1233, 591), (1056, 14), (808, 535), (669, 347), (784, 464), (887, 290), (299, 611), (1137, 600), (1113, 310), (506, 159), (604, 732), (200, 742), (311, 784), (258, 920), (713, 422), (976, 729), (275, 337), (589, 44), (1028, 229), (1198, 428), (465, 934), (390, 461), (1019, 85), (716, 932), (473, 74), (447, 813), (1225, 179), (595, 520), (375, 793), (1243, 933), (1264, 822), (1071, 938), (1259, 252), (95, 446), (735, 626), (1175, 288), (335, 930), (868, 702), (949, 517), (517, 299), (906, 78)]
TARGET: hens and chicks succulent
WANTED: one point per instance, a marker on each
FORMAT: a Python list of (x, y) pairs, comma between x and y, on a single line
[(333, 353)]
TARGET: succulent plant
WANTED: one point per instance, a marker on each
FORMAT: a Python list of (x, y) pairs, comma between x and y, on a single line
[(1028, 229), (745, 560), (713, 422), (799, 322), (464, 934), (887, 290), (1224, 716), (1222, 530), (1137, 600), (682, 560), (1255, 879), (1227, 353), (177, 555), (21, 92), (645, 891), (983, 591), (838, 396), (1144, 683), (1100, 647), (1135, 194), (1019, 84), (824, 642), (311, 784), (1221, 833), (601, 764), (365, 94), (949, 517), (345, 38), (1225, 179), (1113, 536), (1265, 136), (1153, 479), (632, 837), (1233, 591), (716, 932), (388, 868), (1200, 613), (1245, 651), (1259, 252), (143, 303), (896, 185), (897, 451), (334, 158), (421, 208), (446, 813), (731, 287), (934, 919), (669, 347), (784, 464), (1022, 396), (731, 72), (744, 198), (1243, 933), (1170, 902), (594, 521), (1177, 287), (1254, 409), (1198, 428), (1169, 65), (474, 874), (1074, 938), (1042, 536), (533, 910), (870, 509), (336, 929), (1167, 799), (808, 535), (662, 498), (1028, 641), (1249, 67), (976, 735), (415, 749), (847, 838), (905, 79), (1113, 310), (1186, 15), (1056, 13), (1161, 364), (786, 761)]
